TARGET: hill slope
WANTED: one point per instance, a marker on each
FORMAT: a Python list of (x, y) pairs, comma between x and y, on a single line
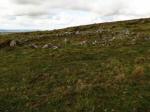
[(93, 68)]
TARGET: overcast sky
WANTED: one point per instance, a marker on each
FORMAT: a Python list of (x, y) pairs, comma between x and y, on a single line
[(53, 14)]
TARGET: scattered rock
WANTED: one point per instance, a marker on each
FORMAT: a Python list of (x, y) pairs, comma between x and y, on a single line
[(83, 42), (94, 43)]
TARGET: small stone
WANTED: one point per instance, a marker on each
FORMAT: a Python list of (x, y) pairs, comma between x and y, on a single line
[(113, 38), (83, 42), (147, 38), (55, 47), (94, 43), (65, 40), (47, 46)]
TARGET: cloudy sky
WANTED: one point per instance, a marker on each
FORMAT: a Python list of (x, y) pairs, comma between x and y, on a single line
[(54, 14)]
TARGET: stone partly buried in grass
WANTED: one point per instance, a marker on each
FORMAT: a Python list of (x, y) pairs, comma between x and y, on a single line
[(47, 46), (34, 46), (55, 47)]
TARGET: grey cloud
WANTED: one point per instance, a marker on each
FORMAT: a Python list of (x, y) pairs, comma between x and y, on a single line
[(103, 8), (44, 11), (32, 14), (24, 2)]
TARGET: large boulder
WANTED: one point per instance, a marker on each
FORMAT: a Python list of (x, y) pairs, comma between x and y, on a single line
[(13, 43)]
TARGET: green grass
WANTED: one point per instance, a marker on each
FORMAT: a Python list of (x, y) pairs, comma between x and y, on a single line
[(75, 78)]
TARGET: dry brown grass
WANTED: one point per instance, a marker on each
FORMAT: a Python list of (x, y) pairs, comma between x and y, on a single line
[(138, 72), (82, 85), (120, 77), (140, 60), (4, 43)]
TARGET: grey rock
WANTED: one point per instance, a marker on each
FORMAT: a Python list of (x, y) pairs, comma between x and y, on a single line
[(147, 38), (65, 40), (34, 46), (83, 42), (55, 47), (77, 32), (47, 46), (67, 33), (13, 43), (95, 42)]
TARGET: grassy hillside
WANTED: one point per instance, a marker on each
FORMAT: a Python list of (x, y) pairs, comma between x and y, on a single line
[(93, 68)]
